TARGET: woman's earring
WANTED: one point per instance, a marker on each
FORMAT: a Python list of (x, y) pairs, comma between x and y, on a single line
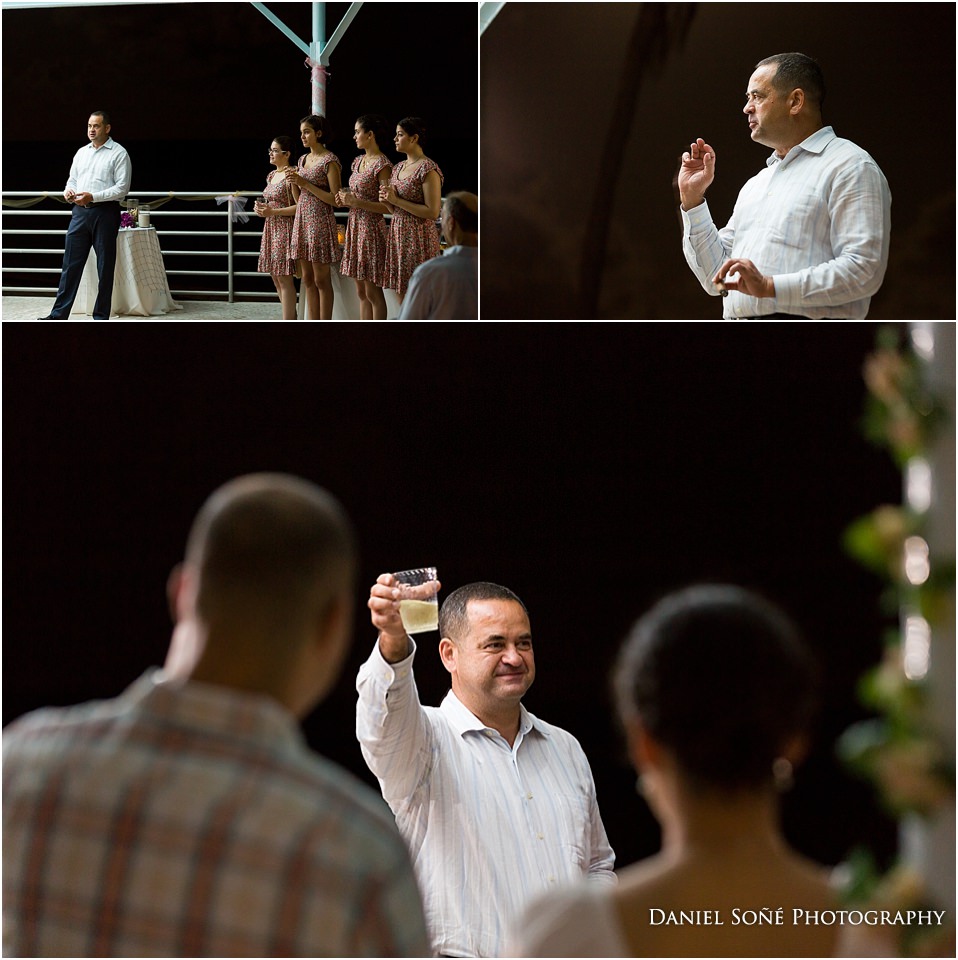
[(782, 772)]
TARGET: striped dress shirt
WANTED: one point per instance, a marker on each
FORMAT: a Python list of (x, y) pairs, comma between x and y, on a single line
[(488, 825), (103, 171), (186, 820), (817, 222)]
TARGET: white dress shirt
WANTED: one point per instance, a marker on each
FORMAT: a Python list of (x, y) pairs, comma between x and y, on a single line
[(580, 921), (105, 171), (488, 825), (444, 288), (817, 222)]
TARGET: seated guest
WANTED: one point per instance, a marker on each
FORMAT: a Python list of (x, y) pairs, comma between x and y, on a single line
[(714, 691), (186, 817), (447, 287)]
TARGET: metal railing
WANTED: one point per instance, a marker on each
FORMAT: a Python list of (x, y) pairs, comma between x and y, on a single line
[(210, 235)]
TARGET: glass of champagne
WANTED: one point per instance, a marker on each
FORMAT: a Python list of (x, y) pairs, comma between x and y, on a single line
[(418, 599)]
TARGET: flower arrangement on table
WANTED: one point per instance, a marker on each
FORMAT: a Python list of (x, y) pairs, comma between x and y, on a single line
[(127, 220)]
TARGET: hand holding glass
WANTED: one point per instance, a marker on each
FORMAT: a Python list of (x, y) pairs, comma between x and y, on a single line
[(418, 599)]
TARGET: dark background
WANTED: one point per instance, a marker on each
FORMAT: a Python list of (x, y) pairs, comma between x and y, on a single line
[(549, 76), (590, 467), (198, 90)]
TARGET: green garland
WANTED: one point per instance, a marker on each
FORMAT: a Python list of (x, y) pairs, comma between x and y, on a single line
[(898, 750)]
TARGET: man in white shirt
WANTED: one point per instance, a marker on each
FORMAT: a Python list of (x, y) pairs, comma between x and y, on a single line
[(495, 805), (447, 287), (808, 237), (99, 179)]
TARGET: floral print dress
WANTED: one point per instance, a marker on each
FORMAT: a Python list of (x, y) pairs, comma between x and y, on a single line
[(314, 229), (412, 240), (364, 253), (274, 255)]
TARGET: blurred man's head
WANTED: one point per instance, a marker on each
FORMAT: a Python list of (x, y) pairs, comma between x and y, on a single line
[(266, 585)]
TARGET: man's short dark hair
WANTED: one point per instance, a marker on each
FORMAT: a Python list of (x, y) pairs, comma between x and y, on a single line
[(797, 70), (454, 617), (464, 215), (270, 545), (101, 113)]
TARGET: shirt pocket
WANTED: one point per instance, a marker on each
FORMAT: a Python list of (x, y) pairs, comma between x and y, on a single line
[(801, 217), (575, 827)]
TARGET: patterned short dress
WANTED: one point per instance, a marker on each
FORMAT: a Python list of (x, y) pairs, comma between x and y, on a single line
[(274, 255), (314, 229), (364, 253), (412, 240)]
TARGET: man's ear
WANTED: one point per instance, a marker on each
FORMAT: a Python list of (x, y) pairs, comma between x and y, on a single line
[(336, 620), (644, 750), (181, 592), (796, 100), (447, 653)]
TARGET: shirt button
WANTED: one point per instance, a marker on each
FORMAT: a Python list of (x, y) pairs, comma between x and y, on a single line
[(539, 836), (528, 796)]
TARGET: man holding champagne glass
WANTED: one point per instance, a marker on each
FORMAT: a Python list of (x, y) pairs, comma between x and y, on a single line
[(494, 804)]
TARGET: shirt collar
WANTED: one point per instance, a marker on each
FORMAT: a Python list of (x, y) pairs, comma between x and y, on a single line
[(464, 720), (816, 143), (234, 714), (108, 145)]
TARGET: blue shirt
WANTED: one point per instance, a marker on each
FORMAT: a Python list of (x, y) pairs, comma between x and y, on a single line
[(817, 221)]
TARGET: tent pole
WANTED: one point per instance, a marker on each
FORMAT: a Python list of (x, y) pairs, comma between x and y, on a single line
[(318, 70)]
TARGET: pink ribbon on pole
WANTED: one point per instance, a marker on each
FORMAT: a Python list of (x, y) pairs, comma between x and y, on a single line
[(318, 83)]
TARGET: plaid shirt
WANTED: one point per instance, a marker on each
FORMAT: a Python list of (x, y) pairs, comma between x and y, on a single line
[(191, 820)]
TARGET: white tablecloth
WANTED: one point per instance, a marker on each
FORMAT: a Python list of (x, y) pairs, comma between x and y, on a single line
[(140, 287), (345, 300)]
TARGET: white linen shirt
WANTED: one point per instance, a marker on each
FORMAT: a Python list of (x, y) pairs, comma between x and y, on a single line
[(817, 221), (105, 172), (488, 825)]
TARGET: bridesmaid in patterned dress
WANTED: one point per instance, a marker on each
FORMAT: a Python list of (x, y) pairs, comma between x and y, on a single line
[(364, 254), (278, 208), (414, 195), (316, 182)]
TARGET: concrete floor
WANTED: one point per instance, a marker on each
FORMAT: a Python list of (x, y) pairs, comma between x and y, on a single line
[(30, 308)]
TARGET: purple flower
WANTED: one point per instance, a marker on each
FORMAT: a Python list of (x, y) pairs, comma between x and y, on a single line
[(126, 220)]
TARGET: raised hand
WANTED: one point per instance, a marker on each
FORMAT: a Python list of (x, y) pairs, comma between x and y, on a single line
[(696, 173)]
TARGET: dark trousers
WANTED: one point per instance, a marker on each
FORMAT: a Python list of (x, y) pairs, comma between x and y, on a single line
[(95, 226)]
